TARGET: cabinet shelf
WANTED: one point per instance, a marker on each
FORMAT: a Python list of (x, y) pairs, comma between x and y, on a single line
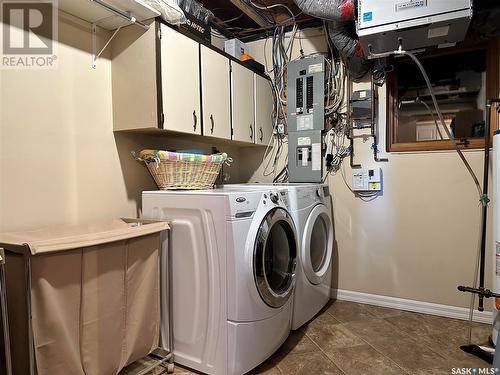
[(106, 13), (191, 137)]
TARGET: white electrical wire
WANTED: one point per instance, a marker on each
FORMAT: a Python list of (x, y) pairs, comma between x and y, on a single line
[(282, 48), (281, 54), (364, 196), (267, 7), (339, 146)]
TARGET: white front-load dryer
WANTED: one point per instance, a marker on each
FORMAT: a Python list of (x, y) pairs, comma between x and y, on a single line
[(311, 210), (310, 207), (233, 275)]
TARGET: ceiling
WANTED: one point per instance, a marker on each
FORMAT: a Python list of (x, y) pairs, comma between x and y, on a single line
[(245, 20)]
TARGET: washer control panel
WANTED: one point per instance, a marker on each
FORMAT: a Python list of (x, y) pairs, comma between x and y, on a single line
[(283, 194), (274, 197), (277, 198), (244, 205)]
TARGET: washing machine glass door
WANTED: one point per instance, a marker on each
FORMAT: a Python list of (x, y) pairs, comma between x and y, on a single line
[(317, 244), (275, 253)]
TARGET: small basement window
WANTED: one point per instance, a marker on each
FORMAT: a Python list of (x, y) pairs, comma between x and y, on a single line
[(462, 79)]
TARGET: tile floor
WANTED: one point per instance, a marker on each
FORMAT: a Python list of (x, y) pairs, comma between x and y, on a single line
[(349, 338)]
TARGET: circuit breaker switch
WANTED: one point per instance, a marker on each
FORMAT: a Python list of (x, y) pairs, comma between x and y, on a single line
[(305, 156)]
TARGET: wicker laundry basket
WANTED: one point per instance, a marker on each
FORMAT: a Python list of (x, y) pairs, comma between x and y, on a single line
[(172, 170)]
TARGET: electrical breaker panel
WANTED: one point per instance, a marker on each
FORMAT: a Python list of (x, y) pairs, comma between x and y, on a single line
[(305, 93), (305, 118), (304, 156), (367, 179)]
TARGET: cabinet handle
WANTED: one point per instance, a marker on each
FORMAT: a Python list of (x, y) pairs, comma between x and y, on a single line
[(251, 131), (195, 119), (261, 134), (213, 124)]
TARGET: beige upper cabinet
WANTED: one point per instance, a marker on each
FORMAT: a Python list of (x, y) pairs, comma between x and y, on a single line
[(263, 110), (180, 59), (134, 79), (156, 80), (215, 89), (242, 103), (165, 80)]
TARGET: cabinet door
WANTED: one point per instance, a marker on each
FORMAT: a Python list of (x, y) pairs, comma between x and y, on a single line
[(263, 110), (242, 100), (180, 72), (134, 80), (215, 94)]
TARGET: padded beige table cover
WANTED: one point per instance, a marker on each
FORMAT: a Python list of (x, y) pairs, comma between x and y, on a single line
[(95, 298)]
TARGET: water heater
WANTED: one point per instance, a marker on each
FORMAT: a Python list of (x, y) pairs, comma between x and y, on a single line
[(383, 25)]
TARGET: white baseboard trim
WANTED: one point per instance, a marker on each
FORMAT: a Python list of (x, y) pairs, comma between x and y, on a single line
[(414, 306)]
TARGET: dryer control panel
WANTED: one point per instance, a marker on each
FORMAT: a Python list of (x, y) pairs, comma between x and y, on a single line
[(310, 195)]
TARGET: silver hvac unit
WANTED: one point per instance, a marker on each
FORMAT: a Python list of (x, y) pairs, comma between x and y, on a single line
[(383, 25)]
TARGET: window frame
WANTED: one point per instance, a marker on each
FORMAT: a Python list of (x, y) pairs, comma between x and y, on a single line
[(492, 91)]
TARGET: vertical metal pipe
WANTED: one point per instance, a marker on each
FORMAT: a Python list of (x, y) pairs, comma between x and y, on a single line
[(170, 295), (484, 213), (373, 124), (350, 135), (93, 30), (31, 342), (5, 316)]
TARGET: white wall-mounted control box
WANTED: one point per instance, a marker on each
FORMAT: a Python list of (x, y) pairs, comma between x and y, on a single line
[(367, 179)]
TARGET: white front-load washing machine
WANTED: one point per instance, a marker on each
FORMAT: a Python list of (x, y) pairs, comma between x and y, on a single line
[(310, 207), (233, 255)]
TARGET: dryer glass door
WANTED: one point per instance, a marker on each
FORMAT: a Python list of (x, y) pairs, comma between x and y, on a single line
[(275, 253), (317, 246)]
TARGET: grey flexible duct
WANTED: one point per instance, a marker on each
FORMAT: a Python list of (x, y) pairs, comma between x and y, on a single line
[(345, 40), (329, 10), (340, 15)]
